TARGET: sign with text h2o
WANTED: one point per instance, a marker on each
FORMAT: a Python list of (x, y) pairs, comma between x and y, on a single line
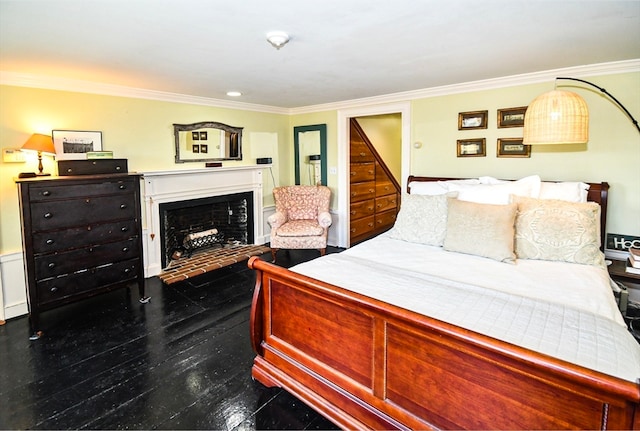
[(620, 242)]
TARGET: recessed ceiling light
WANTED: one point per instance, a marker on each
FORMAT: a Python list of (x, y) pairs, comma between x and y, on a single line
[(234, 93)]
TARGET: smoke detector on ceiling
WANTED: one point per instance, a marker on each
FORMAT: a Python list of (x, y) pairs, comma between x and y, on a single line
[(277, 39)]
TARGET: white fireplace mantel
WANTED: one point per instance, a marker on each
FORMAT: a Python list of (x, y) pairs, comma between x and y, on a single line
[(159, 187)]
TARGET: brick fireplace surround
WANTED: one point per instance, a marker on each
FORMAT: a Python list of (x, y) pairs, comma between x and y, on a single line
[(183, 185)]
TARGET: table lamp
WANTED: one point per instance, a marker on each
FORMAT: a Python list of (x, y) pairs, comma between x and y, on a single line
[(41, 144)]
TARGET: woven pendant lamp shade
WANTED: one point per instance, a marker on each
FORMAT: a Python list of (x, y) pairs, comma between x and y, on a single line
[(556, 117)]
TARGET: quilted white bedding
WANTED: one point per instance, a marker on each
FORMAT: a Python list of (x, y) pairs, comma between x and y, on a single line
[(564, 310)]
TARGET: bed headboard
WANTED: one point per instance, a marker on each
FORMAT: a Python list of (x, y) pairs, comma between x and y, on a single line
[(598, 192)]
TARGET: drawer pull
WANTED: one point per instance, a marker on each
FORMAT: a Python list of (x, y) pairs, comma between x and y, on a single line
[(371, 171), (124, 229), (53, 289), (127, 270), (353, 212), (379, 205), (363, 154), (49, 241), (48, 215), (125, 249), (353, 230), (123, 206), (118, 168), (46, 193), (372, 190), (51, 265), (122, 187), (370, 224), (353, 174)]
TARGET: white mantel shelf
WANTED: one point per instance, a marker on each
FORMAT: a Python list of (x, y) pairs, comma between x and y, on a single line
[(159, 187)]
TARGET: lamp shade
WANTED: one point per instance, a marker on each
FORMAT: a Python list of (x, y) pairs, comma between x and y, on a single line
[(39, 142), (556, 117)]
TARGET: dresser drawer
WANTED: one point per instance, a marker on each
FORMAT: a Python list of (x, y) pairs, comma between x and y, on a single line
[(52, 265), (75, 212), (363, 191), (362, 226), (360, 172), (359, 152), (385, 219), (384, 188), (48, 192), (51, 241), (55, 290), (362, 209), (385, 203)]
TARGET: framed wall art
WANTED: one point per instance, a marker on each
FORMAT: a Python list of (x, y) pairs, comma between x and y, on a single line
[(471, 147), (511, 117), (472, 120), (512, 147), (75, 144)]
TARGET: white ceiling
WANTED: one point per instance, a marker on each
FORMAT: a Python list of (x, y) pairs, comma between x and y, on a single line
[(339, 49)]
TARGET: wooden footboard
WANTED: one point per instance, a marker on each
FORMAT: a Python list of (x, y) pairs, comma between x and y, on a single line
[(366, 364)]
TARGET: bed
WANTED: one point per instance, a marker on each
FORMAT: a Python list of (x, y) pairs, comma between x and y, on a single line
[(399, 333)]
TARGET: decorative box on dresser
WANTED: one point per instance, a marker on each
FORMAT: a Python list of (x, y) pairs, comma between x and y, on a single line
[(81, 237)]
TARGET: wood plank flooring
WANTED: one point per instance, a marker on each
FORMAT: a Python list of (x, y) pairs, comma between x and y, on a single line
[(182, 361)]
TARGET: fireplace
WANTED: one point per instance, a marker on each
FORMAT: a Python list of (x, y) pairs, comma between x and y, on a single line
[(195, 225), (171, 190)]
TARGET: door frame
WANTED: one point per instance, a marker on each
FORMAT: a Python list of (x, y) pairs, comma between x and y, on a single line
[(344, 115)]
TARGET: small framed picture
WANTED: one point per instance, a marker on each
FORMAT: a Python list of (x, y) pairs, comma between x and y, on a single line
[(511, 117), (203, 136), (195, 136), (195, 148), (472, 120), (204, 148), (471, 147), (513, 147), (75, 144)]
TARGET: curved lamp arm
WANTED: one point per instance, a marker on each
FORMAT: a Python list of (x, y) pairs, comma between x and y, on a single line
[(633, 120)]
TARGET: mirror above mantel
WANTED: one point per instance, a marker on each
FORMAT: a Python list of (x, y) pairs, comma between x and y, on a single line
[(207, 141)]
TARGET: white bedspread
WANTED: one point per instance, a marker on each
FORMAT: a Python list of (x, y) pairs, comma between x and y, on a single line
[(563, 310)]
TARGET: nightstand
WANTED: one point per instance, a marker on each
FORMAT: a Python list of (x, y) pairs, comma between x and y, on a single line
[(618, 273)]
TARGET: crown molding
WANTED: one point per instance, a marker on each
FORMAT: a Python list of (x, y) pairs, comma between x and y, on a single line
[(79, 86), (65, 84), (627, 66)]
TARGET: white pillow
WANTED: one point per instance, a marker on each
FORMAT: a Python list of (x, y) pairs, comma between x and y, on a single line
[(422, 219), (436, 187), (566, 191), (498, 194)]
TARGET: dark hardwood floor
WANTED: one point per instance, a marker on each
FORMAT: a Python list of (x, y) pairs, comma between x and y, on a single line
[(182, 361)]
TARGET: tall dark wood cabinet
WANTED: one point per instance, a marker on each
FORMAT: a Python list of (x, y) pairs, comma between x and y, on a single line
[(81, 237)]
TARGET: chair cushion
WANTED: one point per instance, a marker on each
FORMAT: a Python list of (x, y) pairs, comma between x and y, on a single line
[(300, 228)]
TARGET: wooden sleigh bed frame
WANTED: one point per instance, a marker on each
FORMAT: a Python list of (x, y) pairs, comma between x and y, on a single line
[(366, 364)]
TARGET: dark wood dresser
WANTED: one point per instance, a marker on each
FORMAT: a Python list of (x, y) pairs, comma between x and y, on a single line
[(81, 237)]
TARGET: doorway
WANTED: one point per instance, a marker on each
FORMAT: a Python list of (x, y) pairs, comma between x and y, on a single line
[(344, 116)]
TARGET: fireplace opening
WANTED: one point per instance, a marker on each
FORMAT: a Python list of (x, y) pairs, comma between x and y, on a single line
[(194, 225)]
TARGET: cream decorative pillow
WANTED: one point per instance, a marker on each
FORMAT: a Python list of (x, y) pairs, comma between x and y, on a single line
[(422, 219), (482, 229), (550, 229)]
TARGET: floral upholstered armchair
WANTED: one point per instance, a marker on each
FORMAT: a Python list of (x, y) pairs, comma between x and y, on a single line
[(302, 218)]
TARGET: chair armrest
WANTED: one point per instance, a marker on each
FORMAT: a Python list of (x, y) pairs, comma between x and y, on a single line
[(276, 219), (324, 219)]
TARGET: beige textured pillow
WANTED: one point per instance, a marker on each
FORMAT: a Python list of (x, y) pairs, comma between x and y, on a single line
[(550, 229), (482, 229), (422, 219)]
